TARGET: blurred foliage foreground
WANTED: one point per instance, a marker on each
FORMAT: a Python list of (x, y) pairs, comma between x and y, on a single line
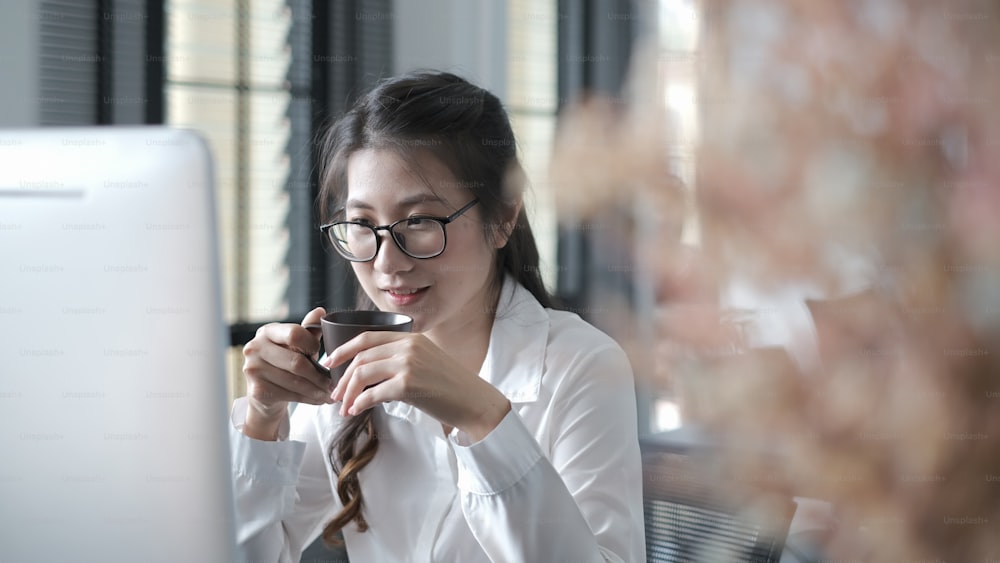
[(830, 134)]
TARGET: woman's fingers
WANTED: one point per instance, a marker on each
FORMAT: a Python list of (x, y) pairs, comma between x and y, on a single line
[(276, 369), (412, 369), (266, 393), (291, 336), (363, 374), (362, 342), (277, 372), (259, 371), (374, 395), (293, 362)]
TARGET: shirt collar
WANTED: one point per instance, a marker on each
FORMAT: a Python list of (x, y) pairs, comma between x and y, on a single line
[(516, 354)]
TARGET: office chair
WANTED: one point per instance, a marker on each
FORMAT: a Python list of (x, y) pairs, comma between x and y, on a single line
[(696, 512)]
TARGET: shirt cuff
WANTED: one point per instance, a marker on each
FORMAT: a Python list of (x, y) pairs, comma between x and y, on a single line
[(261, 460), (499, 460)]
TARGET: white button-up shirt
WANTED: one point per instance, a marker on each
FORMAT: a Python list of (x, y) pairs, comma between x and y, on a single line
[(558, 480)]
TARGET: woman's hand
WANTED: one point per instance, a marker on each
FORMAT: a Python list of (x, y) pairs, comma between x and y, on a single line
[(393, 366), (276, 372)]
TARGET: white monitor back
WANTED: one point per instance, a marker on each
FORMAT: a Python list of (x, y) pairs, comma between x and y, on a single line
[(112, 388)]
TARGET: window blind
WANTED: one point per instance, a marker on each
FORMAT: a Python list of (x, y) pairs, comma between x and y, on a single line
[(67, 69), (92, 62)]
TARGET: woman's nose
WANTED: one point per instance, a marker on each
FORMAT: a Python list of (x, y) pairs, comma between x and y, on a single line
[(390, 258)]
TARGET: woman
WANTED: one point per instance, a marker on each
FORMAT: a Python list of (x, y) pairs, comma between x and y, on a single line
[(500, 429)]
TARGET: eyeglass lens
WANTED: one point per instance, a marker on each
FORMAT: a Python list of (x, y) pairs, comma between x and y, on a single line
[(418, 237)]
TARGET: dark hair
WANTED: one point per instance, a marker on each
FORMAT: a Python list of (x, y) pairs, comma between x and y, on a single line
[(467, 129)]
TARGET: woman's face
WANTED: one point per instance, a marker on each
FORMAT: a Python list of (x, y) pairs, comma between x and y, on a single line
[(444, 293)]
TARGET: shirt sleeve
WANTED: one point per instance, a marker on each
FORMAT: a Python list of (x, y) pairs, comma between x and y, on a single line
[(581, 503), (282, 489)]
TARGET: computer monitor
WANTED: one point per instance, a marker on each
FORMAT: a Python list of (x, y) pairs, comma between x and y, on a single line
[(112, 388)]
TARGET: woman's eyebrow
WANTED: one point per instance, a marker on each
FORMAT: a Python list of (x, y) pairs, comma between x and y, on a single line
[(405, 202)]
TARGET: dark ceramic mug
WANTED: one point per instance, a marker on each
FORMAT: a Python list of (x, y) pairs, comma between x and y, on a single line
[(340, 326)]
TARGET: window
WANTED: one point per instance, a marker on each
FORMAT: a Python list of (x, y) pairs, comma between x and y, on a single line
[(91, 68), (677, 38), (678, 35), (257, 82), (532, 101), (239, 72)]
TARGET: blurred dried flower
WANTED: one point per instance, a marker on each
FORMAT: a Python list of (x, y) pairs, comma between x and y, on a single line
[(832, 133)]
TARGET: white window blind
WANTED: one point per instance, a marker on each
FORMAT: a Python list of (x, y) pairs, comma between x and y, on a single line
[(532, 101), (226, 67), (239, 72)]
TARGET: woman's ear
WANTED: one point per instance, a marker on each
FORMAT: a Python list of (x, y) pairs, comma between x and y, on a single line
[(508, 223)]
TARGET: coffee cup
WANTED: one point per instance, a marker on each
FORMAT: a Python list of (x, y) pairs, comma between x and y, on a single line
[(340, 326)]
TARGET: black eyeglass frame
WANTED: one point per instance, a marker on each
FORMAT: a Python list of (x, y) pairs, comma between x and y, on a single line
[(325, 229)]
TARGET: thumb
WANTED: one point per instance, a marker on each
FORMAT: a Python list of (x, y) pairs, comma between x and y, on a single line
[(312, 322), (313, 317)]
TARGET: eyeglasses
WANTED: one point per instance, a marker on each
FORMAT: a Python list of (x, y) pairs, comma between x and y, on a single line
[(418, 237)]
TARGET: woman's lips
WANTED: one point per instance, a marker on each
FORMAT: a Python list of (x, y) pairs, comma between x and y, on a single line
[(402, 297)]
